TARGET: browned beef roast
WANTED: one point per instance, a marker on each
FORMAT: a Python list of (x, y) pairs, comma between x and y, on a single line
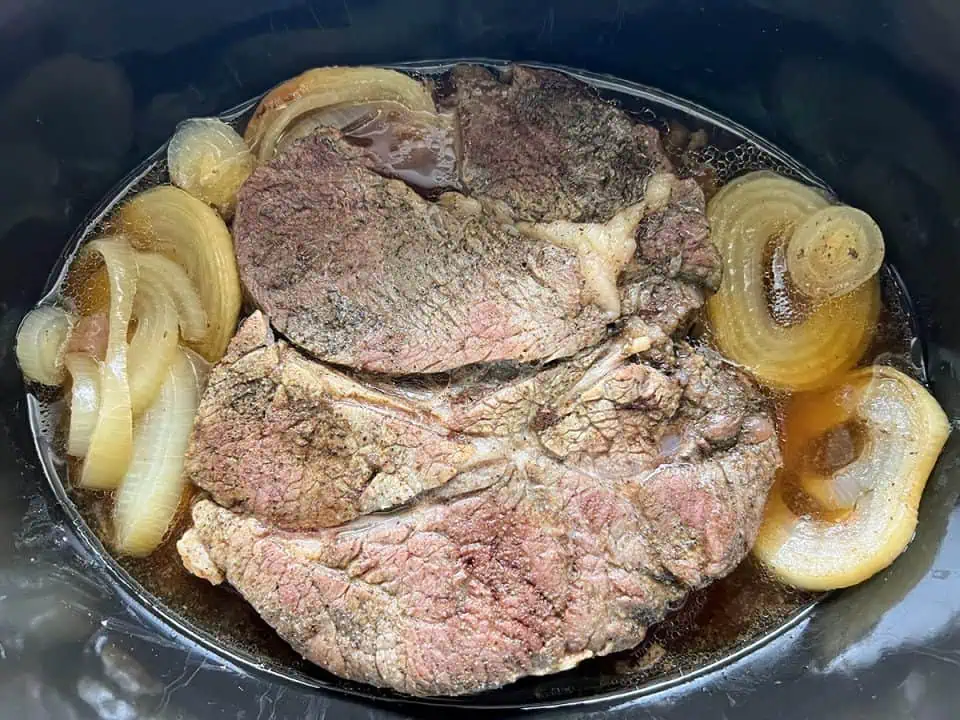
[(362, 271), (543, 147), (504, 522), (547, 147), (572, 221), (452, 531)]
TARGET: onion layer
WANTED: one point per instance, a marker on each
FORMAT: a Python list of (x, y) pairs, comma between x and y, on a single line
[(84, 401), (111, 441), (834, 251), (153, 344), (905, 432), (89, 335), (345, 116), (87, 288), (745, 217), (163, 272), (416, 146), (152, 487), (40, 344), (208, 158), (325, 87), (174, 223)]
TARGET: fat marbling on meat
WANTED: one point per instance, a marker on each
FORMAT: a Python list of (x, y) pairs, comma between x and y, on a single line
[(478, 448), (359, 269)]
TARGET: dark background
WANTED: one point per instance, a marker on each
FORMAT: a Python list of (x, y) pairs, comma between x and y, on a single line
[(865, 93)]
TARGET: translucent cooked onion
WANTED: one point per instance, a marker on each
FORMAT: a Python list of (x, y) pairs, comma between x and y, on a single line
[(87, 288), (834, 251), (89, 335), (84, 401), (325, 87), (150, 492), (208, 158), (745, 217), (112, 439), (164, 272), (345, 116), (40, 344), (418, 147), (154, 341), (172, 222), (905, 430), (839, 441)]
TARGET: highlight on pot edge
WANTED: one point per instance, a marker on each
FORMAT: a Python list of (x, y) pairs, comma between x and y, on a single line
[(495, 328)]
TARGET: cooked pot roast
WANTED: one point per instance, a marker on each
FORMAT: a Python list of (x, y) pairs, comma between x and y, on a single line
[(461, 436), (443, 538), (477, 451)]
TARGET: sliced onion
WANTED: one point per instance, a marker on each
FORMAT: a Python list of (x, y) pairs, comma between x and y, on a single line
[(84, 401), (40, 344), (89, 335), (906, 430), (165, 273), (418, 147), (325, 87), (208, 158), (150, 492), (834, 251), (87, 288), (745, 216), (172, 222), (111, 442), (201, 367), (346, 116), (839, 441), (153, 344)]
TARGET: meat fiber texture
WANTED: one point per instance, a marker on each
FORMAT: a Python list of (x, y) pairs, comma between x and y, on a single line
[(570, 220), (477, 448), (449, 538)]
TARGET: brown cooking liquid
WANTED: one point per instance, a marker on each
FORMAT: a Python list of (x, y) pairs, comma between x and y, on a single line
[(711, 624)]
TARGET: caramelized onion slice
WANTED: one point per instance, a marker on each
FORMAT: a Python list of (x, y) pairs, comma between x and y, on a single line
[(208, 158), (834, 251), (153, 344), (325, 87), (909, 430), (150, 492), (163, 272), (40, 344), (172, 222), (84, 401), (111, 442), (745, 217)]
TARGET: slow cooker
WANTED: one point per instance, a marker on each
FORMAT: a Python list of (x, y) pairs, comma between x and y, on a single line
[(865, 95)]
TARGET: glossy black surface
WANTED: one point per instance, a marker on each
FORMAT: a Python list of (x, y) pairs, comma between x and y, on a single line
[(866, 94)]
